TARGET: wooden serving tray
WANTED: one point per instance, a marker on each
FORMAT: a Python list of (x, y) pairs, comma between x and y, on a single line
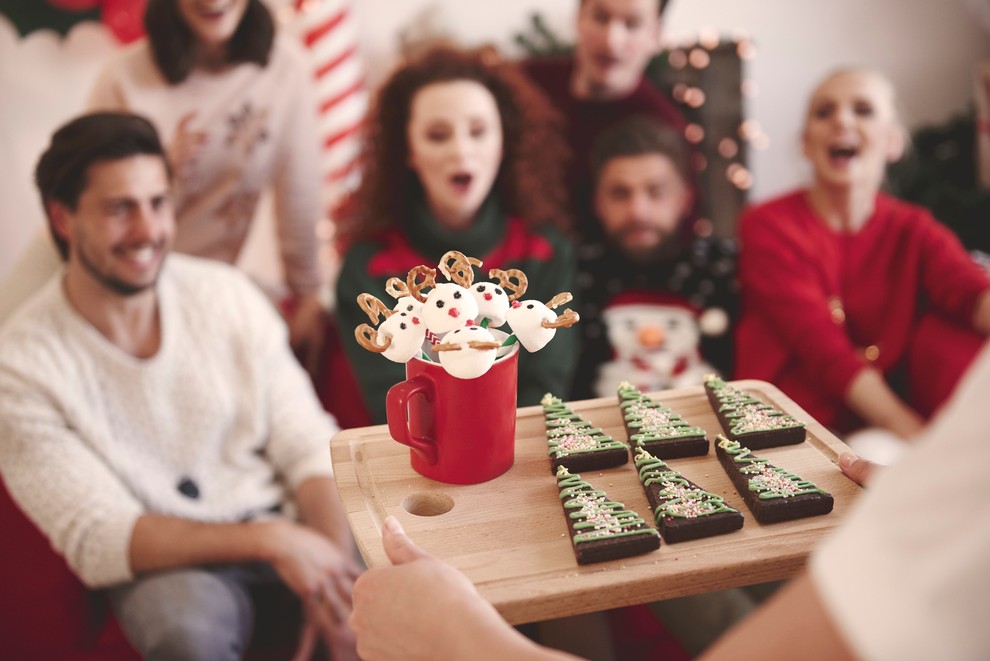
[(509, 535)]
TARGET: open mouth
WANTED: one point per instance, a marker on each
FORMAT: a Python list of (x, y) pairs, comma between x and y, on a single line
[(141, 255), (842, 154), (606, 61), (461, 181)]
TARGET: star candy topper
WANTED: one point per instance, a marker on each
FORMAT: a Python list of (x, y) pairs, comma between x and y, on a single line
[(453, 320)]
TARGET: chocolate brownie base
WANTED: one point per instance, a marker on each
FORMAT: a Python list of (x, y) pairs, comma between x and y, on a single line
[(674, 448), (718, 520), (578, 462), (674, 530), (614, 548), (806, 500), (628, 535), (755, 440)]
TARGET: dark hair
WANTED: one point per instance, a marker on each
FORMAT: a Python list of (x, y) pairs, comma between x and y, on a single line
[(661, 5), (104, 136), (173, 44), (637, 136), (530, 181)]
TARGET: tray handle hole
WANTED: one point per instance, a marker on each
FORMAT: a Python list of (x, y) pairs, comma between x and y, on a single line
[(427, 504)]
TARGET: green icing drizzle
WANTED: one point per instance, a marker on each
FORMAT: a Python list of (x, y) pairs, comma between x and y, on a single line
[(745, 413), (653, 421), (594, 514), (682, 500), (767, 480), (569, 434)]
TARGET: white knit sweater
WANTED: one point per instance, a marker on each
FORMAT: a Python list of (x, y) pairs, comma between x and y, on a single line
[(91, 437)]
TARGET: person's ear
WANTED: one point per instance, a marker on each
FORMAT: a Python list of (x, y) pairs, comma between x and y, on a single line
[(687, 199), (897, 143), (597, 193), (657, 38), (59, 215), (804, 142)]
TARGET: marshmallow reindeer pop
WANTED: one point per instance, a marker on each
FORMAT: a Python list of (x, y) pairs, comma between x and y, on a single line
[(535, 324), (450, 304), (449, 314)]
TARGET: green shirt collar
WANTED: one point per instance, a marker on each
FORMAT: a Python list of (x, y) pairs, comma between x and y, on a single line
[(432, 239)]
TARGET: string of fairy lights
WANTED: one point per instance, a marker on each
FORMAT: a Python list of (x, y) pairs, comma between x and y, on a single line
[(696, 54)]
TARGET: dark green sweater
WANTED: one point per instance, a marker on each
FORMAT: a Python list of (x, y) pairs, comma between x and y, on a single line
[(544, 255)]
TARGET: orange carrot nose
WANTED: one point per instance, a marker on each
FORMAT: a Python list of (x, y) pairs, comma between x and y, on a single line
[(454, 312), (650, 337)]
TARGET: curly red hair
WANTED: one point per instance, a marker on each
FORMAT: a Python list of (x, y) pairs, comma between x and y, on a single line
[(530, 181)]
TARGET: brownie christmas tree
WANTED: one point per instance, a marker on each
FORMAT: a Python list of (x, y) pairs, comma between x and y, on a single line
[(574, 443), (601, 529), (748, 420), (682, 509), (657, 429), (771, 493)]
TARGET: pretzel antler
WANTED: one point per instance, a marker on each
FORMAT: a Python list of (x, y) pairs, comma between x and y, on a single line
[(367, 337), (560, 299), (479, 344), (446, 347), (397, 288), (416, 286), (373, 307), (566, 320), (512, 280), (456, 267)]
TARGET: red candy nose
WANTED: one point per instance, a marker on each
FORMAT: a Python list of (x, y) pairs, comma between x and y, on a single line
[(470, 322), (454, 312), (415, 321), (516, 304), (488, 297)]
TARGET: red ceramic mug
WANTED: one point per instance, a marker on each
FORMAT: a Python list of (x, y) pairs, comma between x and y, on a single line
[(460, 431)]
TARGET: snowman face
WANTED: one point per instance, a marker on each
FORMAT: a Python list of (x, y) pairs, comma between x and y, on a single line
[(526, 318), (449, 306), (643, 329), (493, 303), (467, 362), (407, 332), (409, 305)]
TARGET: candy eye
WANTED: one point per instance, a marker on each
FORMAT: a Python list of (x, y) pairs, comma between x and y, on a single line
[(409, 308), (530, 306), (480, 288), (440, 304), (498, 291), (402, 326), (457, 294)]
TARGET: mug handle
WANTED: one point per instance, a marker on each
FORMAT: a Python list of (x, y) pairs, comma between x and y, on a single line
[(396, 409)]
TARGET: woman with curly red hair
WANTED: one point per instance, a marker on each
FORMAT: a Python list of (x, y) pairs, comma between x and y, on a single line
[(463, 153)]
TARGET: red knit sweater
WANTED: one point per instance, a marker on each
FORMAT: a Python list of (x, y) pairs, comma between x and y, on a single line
[(900, 263)]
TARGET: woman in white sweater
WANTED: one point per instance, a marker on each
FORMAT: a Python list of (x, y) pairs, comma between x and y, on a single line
[(233, 103)]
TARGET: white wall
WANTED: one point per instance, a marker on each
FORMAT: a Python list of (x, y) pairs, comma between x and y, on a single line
[(927, 47)]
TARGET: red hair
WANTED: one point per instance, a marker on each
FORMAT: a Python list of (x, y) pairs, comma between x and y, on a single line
[(530, 180)]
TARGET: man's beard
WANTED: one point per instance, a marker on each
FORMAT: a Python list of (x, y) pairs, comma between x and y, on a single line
[(666, 249), (115, 285)]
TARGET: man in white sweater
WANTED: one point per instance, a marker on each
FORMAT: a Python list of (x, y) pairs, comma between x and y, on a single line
[(153, 421)]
